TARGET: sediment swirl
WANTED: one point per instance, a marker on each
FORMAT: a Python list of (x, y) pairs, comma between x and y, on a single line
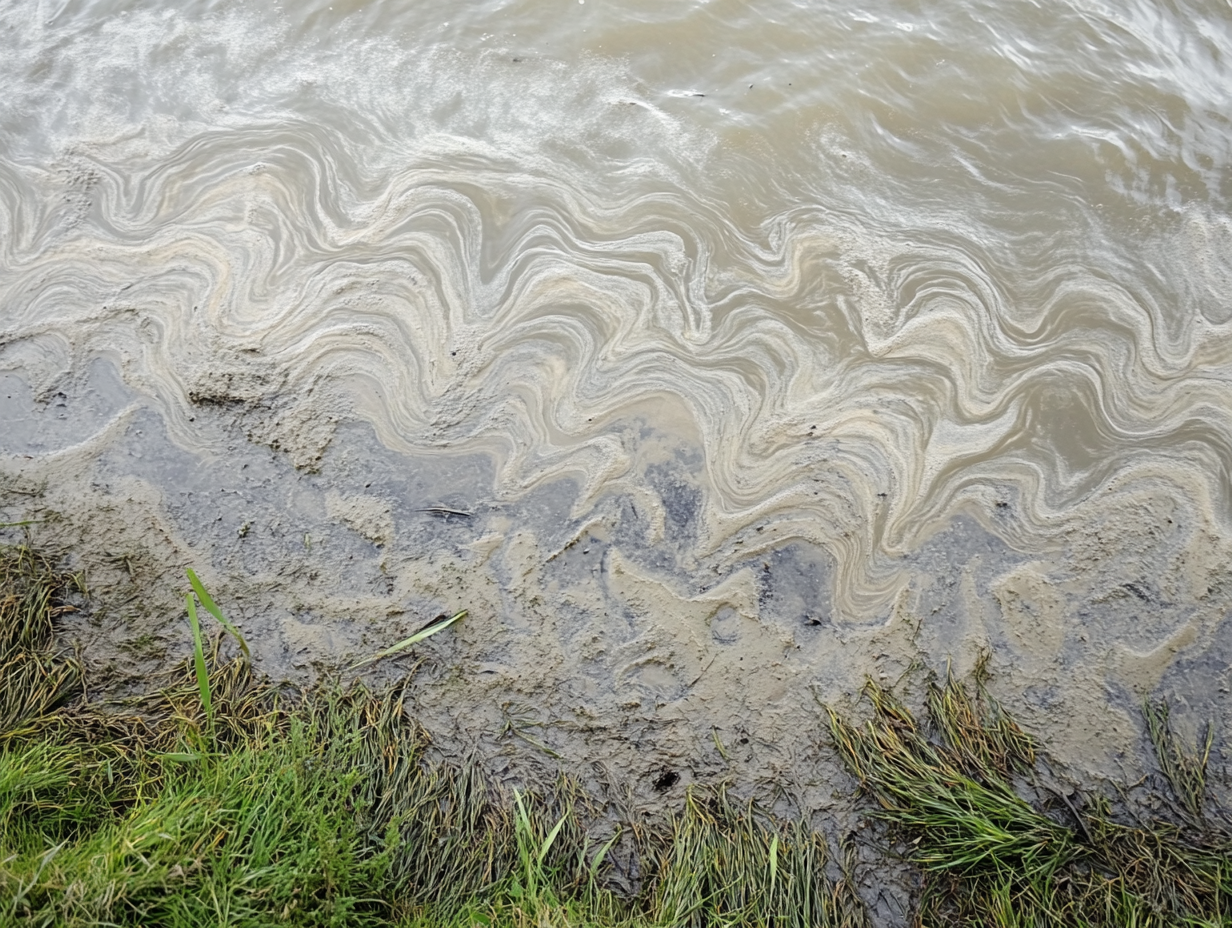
[(848, 372)]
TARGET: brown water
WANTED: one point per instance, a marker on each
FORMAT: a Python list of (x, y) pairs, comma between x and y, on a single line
[(766, 346)]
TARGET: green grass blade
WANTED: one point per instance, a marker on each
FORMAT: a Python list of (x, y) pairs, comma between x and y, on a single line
[(212, 608), (598, 859), (428, 632), (774, 861), (551, 839), (203, 675), (180, 757)]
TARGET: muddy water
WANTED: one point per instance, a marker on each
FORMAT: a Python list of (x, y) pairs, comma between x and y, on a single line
[(714, 355)]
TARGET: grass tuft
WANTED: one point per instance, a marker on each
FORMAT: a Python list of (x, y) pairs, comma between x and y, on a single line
[(729, 864), (948, 788), (34, 678), (1184, 769)]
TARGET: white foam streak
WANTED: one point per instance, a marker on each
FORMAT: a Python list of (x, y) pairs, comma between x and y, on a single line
[(847, 380)]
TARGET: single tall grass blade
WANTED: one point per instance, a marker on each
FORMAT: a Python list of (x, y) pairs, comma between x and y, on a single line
[(597, 861), (203, 675), (551, 839), (180, 757), (212, 608), (427, 632)]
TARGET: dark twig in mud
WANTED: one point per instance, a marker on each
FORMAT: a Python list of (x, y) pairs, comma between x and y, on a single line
[(444, 512)]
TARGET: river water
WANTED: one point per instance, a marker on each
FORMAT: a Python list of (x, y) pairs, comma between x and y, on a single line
[(714, 355)]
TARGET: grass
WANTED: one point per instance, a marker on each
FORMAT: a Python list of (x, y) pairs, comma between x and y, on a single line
[(955, 789), (34, 680), (438, 624), (217, 798), (726, 864), (220, 799)]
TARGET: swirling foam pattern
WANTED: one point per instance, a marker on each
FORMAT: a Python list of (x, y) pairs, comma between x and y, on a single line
[(878, 266)]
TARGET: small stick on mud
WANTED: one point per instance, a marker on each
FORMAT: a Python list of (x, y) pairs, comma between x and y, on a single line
[(703, 673)]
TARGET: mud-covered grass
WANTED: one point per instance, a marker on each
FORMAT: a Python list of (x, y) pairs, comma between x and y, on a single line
[(215, 798), (996, 848)]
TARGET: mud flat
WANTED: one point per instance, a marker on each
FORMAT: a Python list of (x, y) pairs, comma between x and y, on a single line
[(602, 627), (714, 364)]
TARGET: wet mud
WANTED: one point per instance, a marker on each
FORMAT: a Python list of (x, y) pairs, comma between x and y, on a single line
[(602, 642)]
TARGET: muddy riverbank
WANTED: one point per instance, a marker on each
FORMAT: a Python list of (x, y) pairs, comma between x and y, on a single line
[(330, 804)]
